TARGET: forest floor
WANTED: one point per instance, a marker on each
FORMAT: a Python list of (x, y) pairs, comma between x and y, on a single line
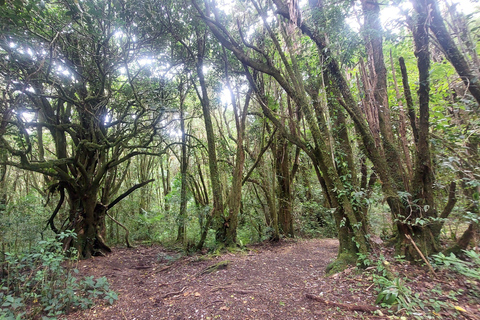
[(278, 281)]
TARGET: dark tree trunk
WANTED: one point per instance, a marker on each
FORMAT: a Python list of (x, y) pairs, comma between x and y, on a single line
[(422, 184), (284, 181), (87, 220), (183, 173)]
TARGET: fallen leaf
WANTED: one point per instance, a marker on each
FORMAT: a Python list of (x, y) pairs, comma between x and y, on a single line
[(197, 294), (460, 309)]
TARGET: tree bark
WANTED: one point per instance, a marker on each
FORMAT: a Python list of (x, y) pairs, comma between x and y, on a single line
[(181, 235), (469, 77), (217, 212)]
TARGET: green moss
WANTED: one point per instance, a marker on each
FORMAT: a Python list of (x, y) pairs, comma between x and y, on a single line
[(343, 261)]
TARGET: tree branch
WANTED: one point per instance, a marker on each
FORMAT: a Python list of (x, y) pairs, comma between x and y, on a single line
[(126, 193)]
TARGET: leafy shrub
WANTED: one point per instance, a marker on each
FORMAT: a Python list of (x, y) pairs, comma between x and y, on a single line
[(395, 292), (470, 269), (42, 281), (23, 223)]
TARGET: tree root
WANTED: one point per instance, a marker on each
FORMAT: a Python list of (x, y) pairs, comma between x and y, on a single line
[(349, 307), (218, 266), (123, 227)]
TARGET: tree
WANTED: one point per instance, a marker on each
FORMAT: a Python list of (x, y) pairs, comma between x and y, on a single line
[(76, 70)]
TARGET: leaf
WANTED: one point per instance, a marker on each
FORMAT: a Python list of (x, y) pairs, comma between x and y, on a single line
[(460, 309)]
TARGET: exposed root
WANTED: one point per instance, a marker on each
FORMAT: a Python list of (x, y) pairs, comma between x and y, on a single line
[(218, 266)]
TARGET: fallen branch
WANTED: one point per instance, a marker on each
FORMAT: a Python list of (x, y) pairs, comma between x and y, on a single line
[(163, 269), (421, 255), (244, 291), (175, 293), (141, 267), (350, 307)]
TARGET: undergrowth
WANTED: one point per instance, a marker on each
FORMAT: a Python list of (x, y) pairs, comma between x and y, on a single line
[(398, 297), (42, 282)]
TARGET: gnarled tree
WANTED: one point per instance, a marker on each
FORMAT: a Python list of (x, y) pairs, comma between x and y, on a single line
[(77, 102)]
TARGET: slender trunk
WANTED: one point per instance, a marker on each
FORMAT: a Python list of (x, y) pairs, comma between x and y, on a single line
[(166, 182), (284, 180), (183, 173), (235, 198), (469, 77), (378, 72), (3, 180), (217, 214), (402, 127)]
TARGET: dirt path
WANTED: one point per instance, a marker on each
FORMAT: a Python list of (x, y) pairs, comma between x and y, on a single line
[(267, 282)]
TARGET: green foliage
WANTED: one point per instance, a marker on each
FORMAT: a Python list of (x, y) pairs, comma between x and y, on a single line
[(470, 269), (316, 221), (392, 291), (42, 281), (395, 292), (23, 223)]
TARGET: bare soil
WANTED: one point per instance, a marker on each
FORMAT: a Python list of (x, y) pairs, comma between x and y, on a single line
[(278, 281)]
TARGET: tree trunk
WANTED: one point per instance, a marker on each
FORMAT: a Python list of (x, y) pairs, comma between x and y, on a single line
[(167, 188), (3, 180), (284, 181), (183, 173), (422, 185), (235, 198), (217, 214), (87, 220), (456, 58)]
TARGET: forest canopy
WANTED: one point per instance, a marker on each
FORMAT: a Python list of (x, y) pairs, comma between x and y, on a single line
[(222, 123)]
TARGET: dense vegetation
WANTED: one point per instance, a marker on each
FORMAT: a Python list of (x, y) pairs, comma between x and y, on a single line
[(218, 124)]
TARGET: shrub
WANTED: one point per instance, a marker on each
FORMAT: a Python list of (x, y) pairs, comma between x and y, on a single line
[(42, 281)]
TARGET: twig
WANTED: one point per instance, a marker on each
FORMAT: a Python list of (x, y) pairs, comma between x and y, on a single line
[(141, 267), (421, 255), (163, 269), (244, 291), (171, 294)]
